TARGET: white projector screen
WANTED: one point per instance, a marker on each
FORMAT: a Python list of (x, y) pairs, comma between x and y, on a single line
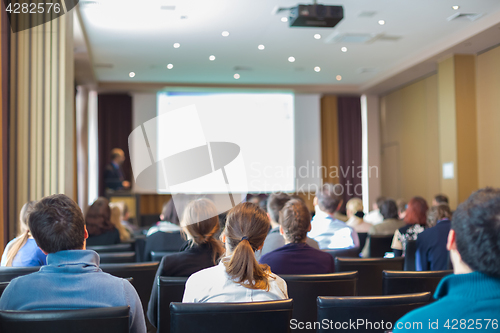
[(260, 124)]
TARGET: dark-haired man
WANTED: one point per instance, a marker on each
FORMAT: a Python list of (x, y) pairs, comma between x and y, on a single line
[(329, 232), (469, 299), (72, 279), (440, 199)]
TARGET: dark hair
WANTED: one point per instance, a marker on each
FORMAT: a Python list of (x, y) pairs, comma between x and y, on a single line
[(98, 217), (380, 201), (295, 220), (275, 204), (416, 213), (169, 212), (56, 223), (476, 223), (441, 199), (329, 197), (438, 213), (389, 209), (246, 229)]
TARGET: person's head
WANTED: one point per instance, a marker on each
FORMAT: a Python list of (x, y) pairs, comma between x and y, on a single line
[(117, 156), (474, 238), (353, 206), (246, 229), (389, 209), (24, 232), (98, 217), (378, 203), (416, 212), (169, 213), (116, 218), (275, 204), (440, 199), (401, 208), (200, 222), (56, 223), (329, 198), (295, 221), (438, 213)]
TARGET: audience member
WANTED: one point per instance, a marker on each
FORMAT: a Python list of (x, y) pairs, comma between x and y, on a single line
[(354, 210), (296, 257), (125, 217), (200, 223), (402, 205), (375, 217), (440, 199), (169, 220), (98, 222), (416, 221), (72, 279), (329, 232), (431, 243), (238, 277), (116, 220), (113, 174), (23, 250), (274, 239), (391, 223), (472, 295)]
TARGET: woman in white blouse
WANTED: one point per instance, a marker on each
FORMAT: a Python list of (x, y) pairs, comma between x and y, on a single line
[(238, 277)]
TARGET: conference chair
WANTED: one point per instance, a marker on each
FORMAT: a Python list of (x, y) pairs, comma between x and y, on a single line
[(117, 257), (95, 320), (379, 245), (163, 241), (367, 313), (348, 253), (362, 240), (9, 273), (249, 317), (170, 289), (158, 255), (304, 289), (410, 253), (123, 247), (397, 282), (369, 271), (3, 285)]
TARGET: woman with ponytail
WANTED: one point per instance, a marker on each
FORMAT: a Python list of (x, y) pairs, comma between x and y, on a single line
[(200, 225), (238, 277), (23, 251)]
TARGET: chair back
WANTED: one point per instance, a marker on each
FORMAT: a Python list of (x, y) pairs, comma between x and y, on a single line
[(397, 282), (163, 241), (170, 289), (367, 313), (410, 252), (95, 320), (3, 285), (250, 317), (369, 271), (117, 257), (379, 245), (347, 253), (123, 247), (362, 239), (9, 273), (158, 255), (305, 289)]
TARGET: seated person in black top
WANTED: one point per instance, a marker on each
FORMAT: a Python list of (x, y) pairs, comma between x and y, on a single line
[(296, 257), (432, 254), (204, 249), (98, 222)]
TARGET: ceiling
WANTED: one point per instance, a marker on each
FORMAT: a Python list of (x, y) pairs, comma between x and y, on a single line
[(138, 36)]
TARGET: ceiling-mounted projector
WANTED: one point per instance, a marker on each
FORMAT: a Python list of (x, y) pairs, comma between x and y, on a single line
[(315, 15)]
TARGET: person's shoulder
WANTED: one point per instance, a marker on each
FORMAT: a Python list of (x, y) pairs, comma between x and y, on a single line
[(421, 315)]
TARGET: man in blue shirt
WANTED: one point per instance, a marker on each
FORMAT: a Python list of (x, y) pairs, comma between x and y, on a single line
[(469, 299), (72, 279)]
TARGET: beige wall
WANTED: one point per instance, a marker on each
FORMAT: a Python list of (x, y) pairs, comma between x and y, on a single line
[(410, 141), (488, 117)]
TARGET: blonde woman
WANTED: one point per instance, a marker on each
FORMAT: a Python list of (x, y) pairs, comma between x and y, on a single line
[(354, 210), (116, 220), (23, 251)]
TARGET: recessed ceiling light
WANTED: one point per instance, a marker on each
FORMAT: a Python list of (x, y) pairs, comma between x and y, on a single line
[(284, 19), (343, 49), (211, 58), (317, 69), (317, 36), (381, 22), (170, 66), (236, 76), (131, 74), (177, 45), (455, 7), (225, 33), (261, 47), (291, 59), (338, 77)]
